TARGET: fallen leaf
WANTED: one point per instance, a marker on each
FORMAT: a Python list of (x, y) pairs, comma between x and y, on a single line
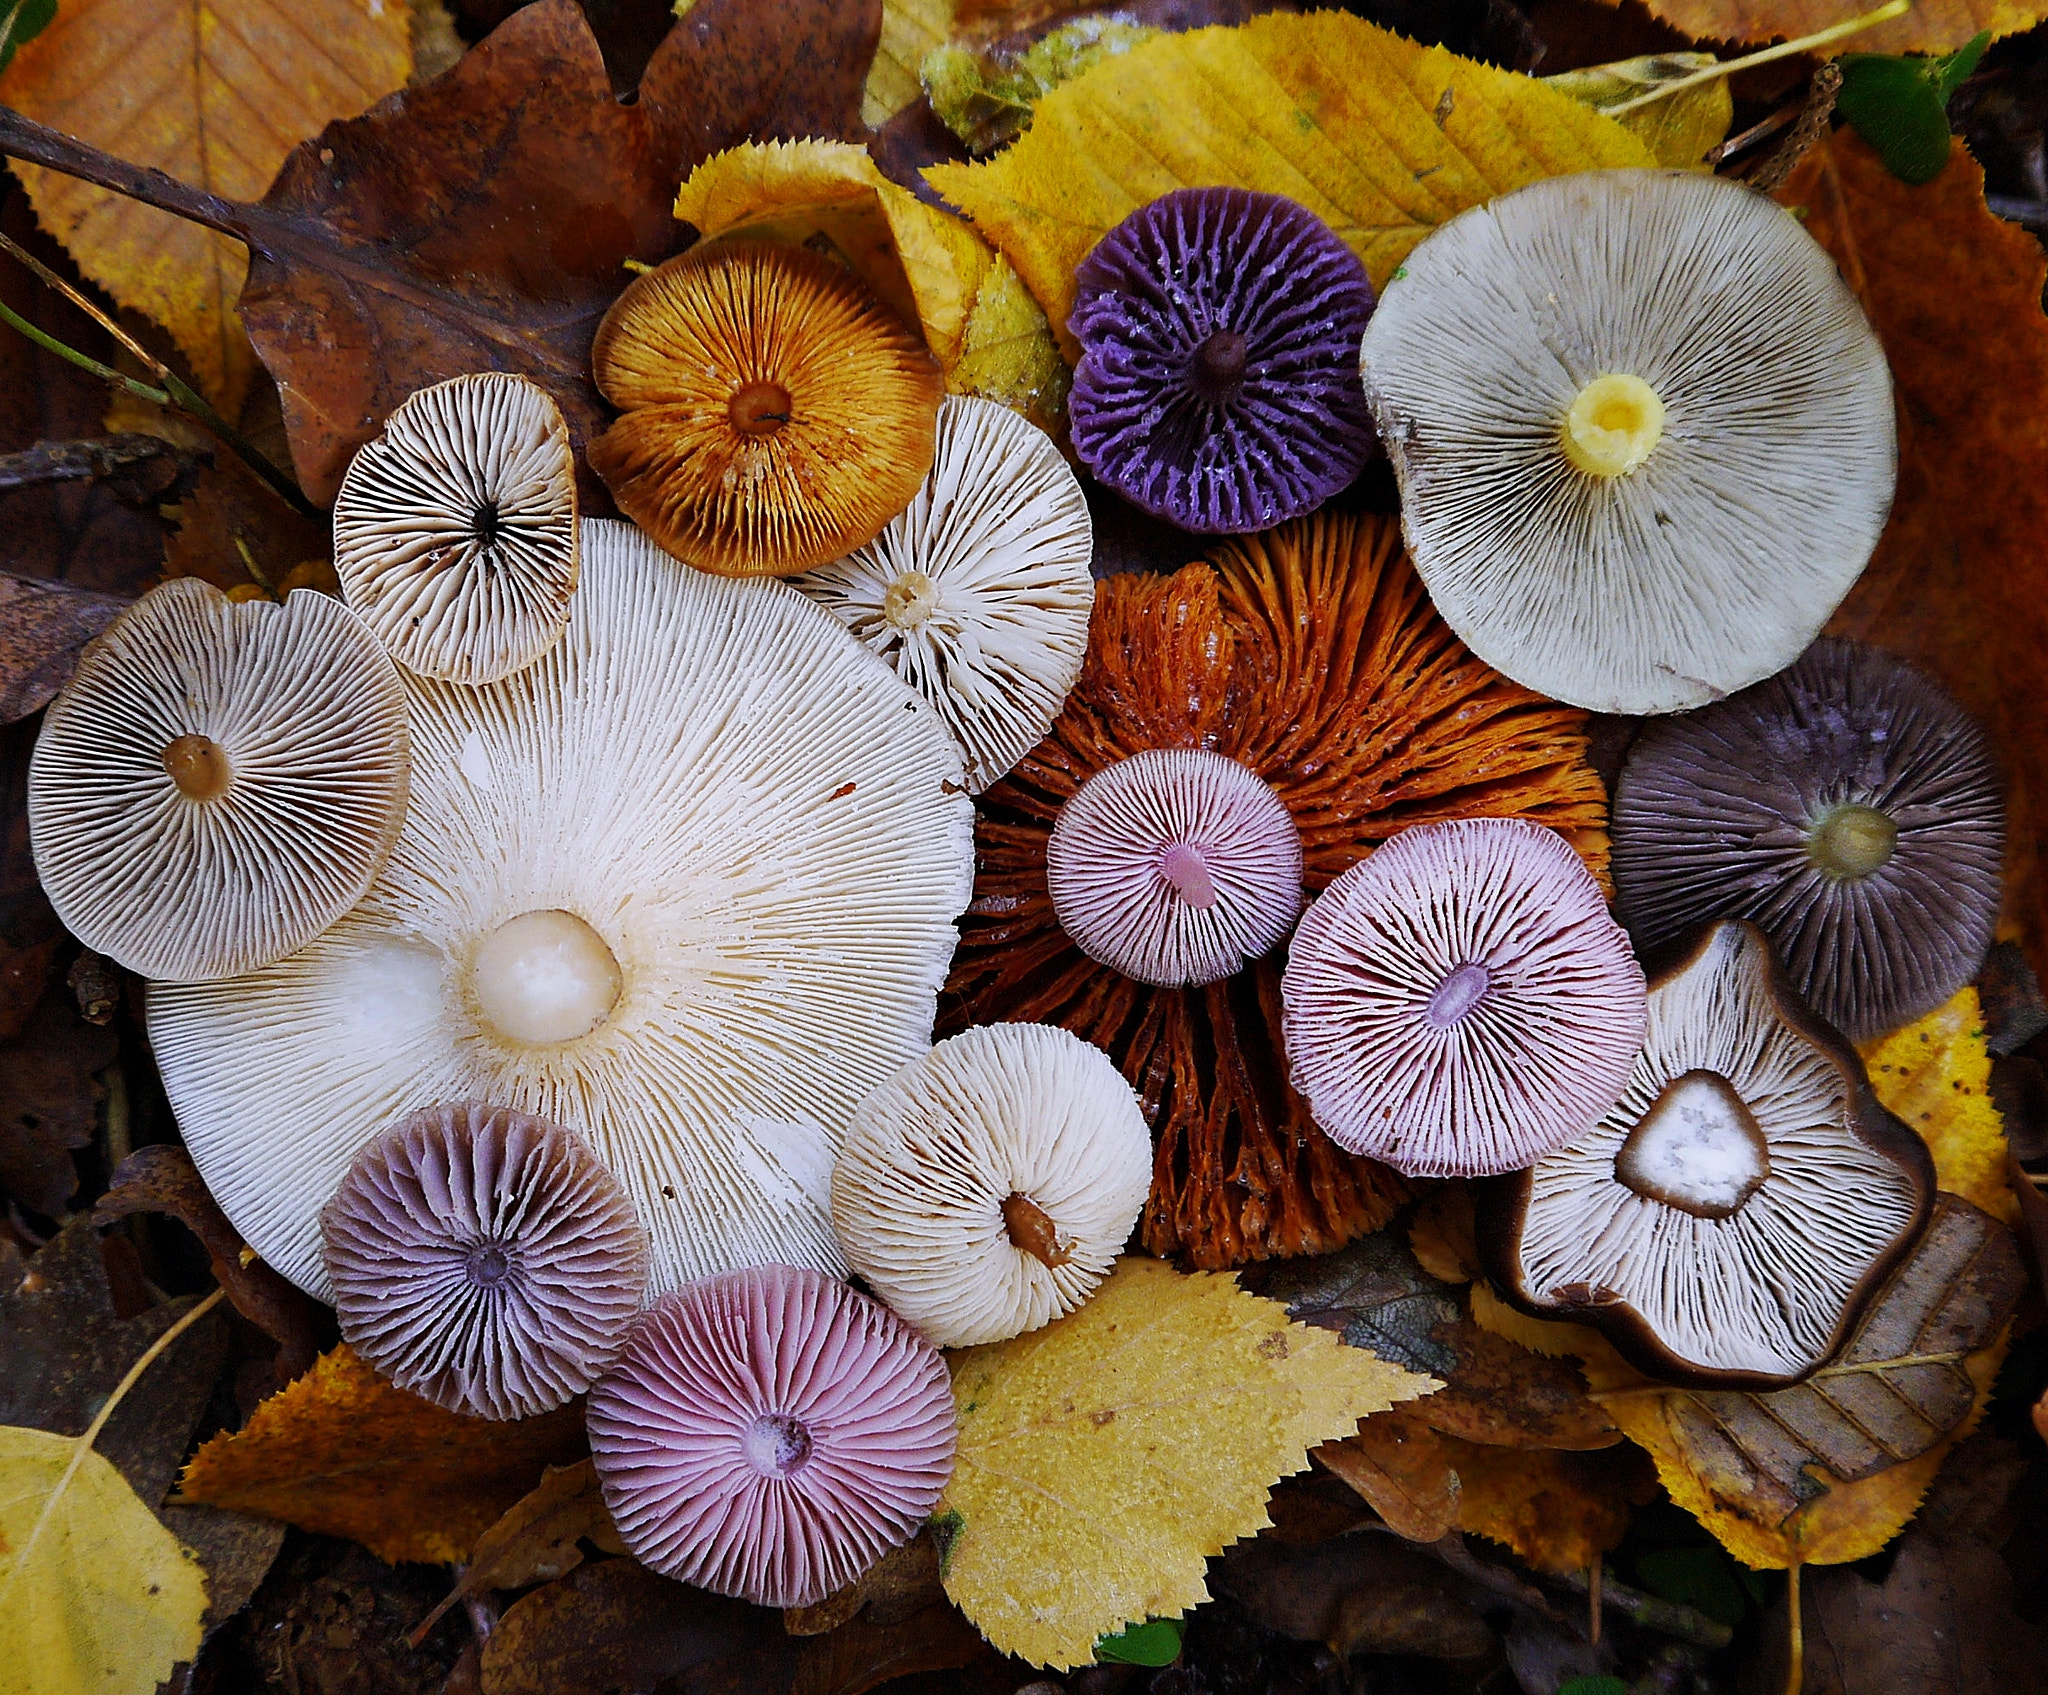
[(1106, 1456), (43, 629), (902, 1582), (1936, 1075), (1358, 1594), (1957, 581), (1401, 1468), (1440, 1234), (233, 519), (235, 1552), (986, 99), (1381, 138), (910, 30), (864, 1654), (342, 1452), (231, 85), (1932, 26), (1678, 129), (50, 1095), (1557, 1511)]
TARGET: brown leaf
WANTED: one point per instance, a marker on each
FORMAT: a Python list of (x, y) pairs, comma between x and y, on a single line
[(1931, 26), (43, 628), (164, 1179), (50, 1094), (235, 1550), (29, 932), (230, 510), (902, 1582), (1556, 1510), (1358, 1594), (1401, 1468), (866, 1653)]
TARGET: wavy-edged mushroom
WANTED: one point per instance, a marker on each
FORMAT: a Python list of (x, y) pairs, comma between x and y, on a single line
[(218, 783), (1461, 1003), (455, 534), (484, 1259), (1643, 433), (685, 885), (770, 1434), (989, 1186), (978, 592), (1848, 807), (774, 415), (1725, 1223), (1218, 384)]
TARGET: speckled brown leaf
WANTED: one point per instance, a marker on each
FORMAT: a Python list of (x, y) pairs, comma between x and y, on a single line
[(43, 629)]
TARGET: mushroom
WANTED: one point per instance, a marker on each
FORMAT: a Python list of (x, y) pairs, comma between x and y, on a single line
[(1848, 807), (978, 592), (1177, 866), (1309, 656), (218, 783), (1218, 385), (1461, 1004), (484, 1259), (455, 529), (685, 885), (1726, 1221), (989, 1186), (1643, 434), (770, 1434), (775, 415)]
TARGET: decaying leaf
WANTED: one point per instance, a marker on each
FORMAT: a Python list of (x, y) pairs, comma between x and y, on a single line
[(1105, 1457), (44, 627), (50, 1092), (1558, 1511), (903, 1581), (1679, 129), (1932, 26), (1936, 1075), (230, 86), (987, 101), (866, 1654), (910, 30), (342, 1452), (1361, 1594), (1381, 138), (1400, 1467)]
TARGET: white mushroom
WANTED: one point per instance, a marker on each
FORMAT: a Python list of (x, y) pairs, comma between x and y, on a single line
[(685, 885), (988, 1187), (455, 529), (979, 591), (1643, 433), (219, 782), (1726, 1221)]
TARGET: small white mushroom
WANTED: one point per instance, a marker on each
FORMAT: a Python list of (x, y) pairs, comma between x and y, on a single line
[(455, 529), (219, 782), (979, 592), (988, 1187)]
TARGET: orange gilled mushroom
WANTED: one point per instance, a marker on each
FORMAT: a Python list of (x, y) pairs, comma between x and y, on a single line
[(774, 415), (1310, 656)]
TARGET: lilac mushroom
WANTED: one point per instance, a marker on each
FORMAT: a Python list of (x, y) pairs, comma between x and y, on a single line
[(1176, 866), (1461, 1003), (1218, 386), (484, 1259), (770, 1433)]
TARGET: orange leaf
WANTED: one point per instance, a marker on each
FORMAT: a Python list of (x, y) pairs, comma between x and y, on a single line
[(1932, 26)]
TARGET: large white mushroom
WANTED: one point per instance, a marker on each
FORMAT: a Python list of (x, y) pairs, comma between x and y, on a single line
[(685, 885)]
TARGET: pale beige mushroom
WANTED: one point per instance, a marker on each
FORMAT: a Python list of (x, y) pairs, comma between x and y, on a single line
[(219, 782)]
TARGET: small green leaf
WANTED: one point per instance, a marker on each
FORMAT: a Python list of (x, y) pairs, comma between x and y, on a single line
[(1593, 1686), (1953, 70), (22, 20), (1900, 106), (1155, 1643), (1704, 1579)]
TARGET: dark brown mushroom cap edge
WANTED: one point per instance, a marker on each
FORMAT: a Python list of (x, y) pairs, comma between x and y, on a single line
[(1501, 1203)]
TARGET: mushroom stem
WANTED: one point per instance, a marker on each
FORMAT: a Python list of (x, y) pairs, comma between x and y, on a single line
[(759, 409), (1852, 841), (909, 600), (776, 1444), (1185, 868), (1219, 363), (1614, 422), (1463, 987), (1033, 1232), (199, 766)]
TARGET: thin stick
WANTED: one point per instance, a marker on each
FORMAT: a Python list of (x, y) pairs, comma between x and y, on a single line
[(1784, 50), (1593, 1598), (1795, 1677)]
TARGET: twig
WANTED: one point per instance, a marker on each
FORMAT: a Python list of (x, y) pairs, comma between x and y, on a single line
[(1756, 132), (1795, 1644), (2019, 211), (1784, 50), (1593, 1575), (100, 460), (1652, 1612)]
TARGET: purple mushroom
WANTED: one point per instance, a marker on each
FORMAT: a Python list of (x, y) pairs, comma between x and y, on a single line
[(1176, 866), (770, 1433), (1219, 384), (1461, 1003), (484, 1259)]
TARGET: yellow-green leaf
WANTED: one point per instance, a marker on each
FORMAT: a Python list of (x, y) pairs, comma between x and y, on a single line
[(910, 30), (1679, 128)]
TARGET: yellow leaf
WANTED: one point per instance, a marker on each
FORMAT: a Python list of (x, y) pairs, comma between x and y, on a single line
[(910, 30), (986, 331), (95, 1593), (1557, 1510), (1379, 137), (1104, 1458), (216, 92), (1679, 128), (1936, 1075)]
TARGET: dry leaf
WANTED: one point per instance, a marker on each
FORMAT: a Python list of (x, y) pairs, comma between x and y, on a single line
[(910, 30), (1381, 138), (342, 1452), (50, 1095), (1936, 1075), (1401, 1468), (1932, 26), (43, 628), (865, 1654), (215, 92), (1105, 1457), (1679, 129), (1558, 1511)]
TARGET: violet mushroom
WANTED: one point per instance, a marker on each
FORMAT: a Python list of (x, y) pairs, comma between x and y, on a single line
[(1848, 807), (1461, 1004), (770, 1434), (1218, 384), (1726, 1222), (484, 1259)]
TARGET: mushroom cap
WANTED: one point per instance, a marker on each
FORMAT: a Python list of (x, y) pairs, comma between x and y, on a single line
[(484, 1259), (986, 1188), (1725, 1223), (685, 885), (1177, 866), (770, 1433), (775, 415), (1218, 384), (219, 782), (1847, 807), (1461, 1004), (978, 592), (1717, 557), (455, 529)]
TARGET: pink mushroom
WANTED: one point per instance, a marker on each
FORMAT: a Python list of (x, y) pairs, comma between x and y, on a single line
[(1176, 866), (1461, 1003), (770, 1433)]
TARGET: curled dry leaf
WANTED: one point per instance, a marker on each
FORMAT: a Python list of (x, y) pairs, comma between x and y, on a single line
[(43, 627)]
